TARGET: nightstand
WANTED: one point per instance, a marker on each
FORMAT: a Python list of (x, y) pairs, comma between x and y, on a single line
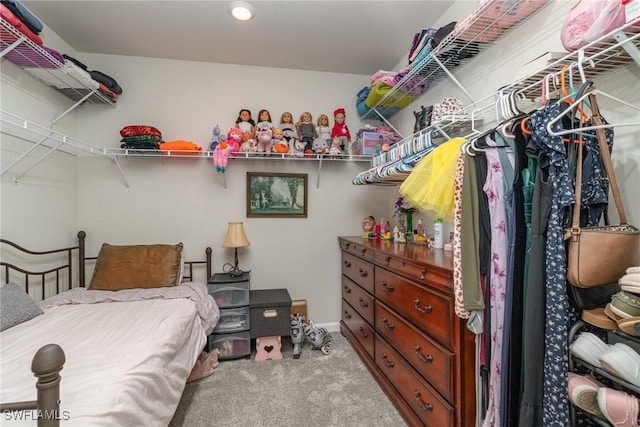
[(232, 334)]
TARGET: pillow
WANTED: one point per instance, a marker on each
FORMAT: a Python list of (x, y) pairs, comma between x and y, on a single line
[(16, 306), (136, 266)]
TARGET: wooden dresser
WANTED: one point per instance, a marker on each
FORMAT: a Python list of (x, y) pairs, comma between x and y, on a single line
[(398, 314)]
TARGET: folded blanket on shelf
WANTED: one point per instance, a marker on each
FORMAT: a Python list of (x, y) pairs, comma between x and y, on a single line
[(69, 76), (180, 148), (24, 15), (397, 99), (8, 36)]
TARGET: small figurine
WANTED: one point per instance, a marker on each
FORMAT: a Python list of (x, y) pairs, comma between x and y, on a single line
[(335, 147), (288, 130), (368, 224), (306, 131), (245, 123), (340, 129), (215, 138)]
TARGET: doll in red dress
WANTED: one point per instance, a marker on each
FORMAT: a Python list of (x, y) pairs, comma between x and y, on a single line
[(340, 130)]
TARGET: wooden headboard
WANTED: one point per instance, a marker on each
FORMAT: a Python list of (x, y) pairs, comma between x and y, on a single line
[(71, 255)]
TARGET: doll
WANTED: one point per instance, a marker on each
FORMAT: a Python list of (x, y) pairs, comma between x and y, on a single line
[(279, 143), (264, 120), (306, 131), (245, 123), (323, 129), (340, 129), (335, 147), (368, 224), (288, 129)]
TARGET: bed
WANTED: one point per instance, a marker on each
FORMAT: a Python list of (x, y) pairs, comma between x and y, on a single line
[(125, 354)]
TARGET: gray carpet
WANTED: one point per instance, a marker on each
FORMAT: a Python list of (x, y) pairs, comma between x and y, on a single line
[(316, 390)]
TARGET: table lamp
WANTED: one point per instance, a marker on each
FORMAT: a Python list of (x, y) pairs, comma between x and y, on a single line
[(235, 239)]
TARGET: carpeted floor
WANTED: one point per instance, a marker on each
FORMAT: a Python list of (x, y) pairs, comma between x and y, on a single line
[(334, 390)]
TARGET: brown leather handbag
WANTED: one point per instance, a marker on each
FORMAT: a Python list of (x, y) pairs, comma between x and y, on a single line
[(600, 255)]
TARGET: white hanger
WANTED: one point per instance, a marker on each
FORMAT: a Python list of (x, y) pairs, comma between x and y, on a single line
[(575, 105)]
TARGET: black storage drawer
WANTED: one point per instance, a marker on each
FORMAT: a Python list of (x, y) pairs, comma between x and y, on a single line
[(270, 309)]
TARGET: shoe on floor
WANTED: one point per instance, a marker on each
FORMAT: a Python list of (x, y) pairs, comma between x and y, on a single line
[(628, 326), (623, 362), (618, 407), (588, 347), (583, 393), (625, 304)]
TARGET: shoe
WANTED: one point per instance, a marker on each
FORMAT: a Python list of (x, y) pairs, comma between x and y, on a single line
[(598, 317), (588, 347), (583, 393), (625, 304), (618, 407), (628, 326), (623, 362), (610, 313)]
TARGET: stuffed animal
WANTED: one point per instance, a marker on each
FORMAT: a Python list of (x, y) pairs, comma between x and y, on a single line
[(248, 144), (299, 148), (264, 136), (290, 135), (319, 146), (335, 147), (234, 139), (215, 138), (221, 155), (279, 143)]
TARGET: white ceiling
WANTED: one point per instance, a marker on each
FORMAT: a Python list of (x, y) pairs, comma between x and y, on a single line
[(353, 37)]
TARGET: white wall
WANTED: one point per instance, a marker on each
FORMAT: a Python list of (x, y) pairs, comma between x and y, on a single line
[(185, 200)]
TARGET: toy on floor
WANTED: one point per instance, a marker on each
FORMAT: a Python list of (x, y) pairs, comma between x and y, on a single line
[(297, 334), (320, 338), (268, 348)]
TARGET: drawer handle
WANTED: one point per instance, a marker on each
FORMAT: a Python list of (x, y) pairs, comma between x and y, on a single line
[(363, 303), (424, 406), (427, 308), (387, 260), (426, 359), (423, 273), (386, 288), (387, 324), (363, 334), (347, 315), (347, 264), (363, 251), (388, 363), (347, 245), (363, 273), (347, 289)]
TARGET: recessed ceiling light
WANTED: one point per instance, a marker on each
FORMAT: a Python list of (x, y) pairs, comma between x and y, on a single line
[(241, 10)]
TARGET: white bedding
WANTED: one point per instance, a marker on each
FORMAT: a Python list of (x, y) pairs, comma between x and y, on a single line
[(126, 361)]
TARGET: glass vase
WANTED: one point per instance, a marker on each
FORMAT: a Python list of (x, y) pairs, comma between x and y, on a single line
[(409, 229)]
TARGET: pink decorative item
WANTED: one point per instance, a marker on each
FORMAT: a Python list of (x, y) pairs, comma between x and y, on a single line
[(268, 348)]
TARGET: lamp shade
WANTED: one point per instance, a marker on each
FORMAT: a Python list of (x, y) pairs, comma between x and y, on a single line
[(235, 236)]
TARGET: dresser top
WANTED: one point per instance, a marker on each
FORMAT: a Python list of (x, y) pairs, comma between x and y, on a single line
[(416, 253)]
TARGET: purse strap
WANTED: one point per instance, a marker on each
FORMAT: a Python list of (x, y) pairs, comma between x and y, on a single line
[(606, 158)]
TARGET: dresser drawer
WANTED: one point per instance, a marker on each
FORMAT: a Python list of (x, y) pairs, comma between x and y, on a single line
[(433, 362), (358, 270), (357, 249), (420, 273), (358, 298), (429, 311), (424, 400), (358, 327)]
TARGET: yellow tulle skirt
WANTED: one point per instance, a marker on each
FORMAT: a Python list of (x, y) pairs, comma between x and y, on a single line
[(430, 186)]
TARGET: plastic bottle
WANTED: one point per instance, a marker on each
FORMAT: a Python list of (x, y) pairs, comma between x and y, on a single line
[(438, 242)]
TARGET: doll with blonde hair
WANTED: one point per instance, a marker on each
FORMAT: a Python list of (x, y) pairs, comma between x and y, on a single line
[(306, 131), (288, 129)]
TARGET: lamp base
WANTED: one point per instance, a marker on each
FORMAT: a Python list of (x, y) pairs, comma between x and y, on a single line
[(236, 272)]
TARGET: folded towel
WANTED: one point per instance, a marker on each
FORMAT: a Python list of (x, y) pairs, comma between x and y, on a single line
[(635, 269)]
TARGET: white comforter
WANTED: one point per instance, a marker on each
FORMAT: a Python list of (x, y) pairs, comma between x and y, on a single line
[(128, 353)]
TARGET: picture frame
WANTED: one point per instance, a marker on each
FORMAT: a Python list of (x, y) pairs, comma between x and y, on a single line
[(271, 195)]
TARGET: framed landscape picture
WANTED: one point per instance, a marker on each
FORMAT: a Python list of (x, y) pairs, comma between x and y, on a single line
[(276, 195)]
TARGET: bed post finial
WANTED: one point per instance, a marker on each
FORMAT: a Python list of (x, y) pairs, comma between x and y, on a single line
[(209, 251), (46, 366)]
